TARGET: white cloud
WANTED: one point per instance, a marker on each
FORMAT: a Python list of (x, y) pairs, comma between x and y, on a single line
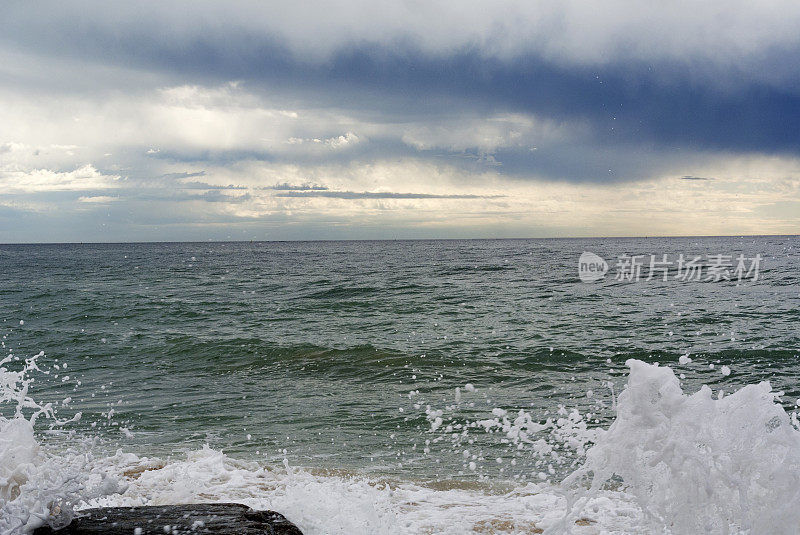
[(176, 119), (85, 177), (342, 141)]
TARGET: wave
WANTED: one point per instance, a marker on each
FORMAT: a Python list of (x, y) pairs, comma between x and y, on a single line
[(242, 353), (670, 462)]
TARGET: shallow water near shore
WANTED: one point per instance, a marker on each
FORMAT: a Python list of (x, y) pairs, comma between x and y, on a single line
[(413, 387)]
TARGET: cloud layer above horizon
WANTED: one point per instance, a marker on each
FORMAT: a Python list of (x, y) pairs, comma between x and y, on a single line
[(252, 120)]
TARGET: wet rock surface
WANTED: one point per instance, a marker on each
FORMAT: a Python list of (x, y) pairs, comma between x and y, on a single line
[(212, 518)]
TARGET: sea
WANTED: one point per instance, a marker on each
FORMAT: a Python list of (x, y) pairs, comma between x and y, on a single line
[(420, 387)]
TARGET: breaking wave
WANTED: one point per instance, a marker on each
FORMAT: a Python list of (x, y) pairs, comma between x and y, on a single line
[(671, 462)]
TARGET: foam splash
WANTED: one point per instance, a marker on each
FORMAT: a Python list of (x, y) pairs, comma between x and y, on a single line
[(696, 464), (37, 488), (691, 463)]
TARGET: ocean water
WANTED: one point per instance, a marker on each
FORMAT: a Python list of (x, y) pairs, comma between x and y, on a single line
[(404, 386)]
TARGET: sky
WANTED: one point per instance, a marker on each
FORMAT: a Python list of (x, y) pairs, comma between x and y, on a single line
[(173, 121)]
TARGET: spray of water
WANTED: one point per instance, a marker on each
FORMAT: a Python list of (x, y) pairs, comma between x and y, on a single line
[(695, 463), (37, 488)]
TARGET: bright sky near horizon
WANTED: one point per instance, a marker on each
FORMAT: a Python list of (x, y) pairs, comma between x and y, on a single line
[(361, 119)]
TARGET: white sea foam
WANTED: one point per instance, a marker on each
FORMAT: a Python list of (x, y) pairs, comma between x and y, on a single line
[(352, 504)]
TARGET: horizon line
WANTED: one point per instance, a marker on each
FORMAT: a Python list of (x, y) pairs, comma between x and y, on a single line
[(146, 242)]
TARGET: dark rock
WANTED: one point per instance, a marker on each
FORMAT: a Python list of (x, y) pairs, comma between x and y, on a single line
[(214, 518)]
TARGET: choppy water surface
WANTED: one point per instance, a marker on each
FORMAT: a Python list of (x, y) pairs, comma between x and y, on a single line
[(347, 355)]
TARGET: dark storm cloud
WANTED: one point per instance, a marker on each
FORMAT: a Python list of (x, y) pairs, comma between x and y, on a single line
[(663, 104)]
